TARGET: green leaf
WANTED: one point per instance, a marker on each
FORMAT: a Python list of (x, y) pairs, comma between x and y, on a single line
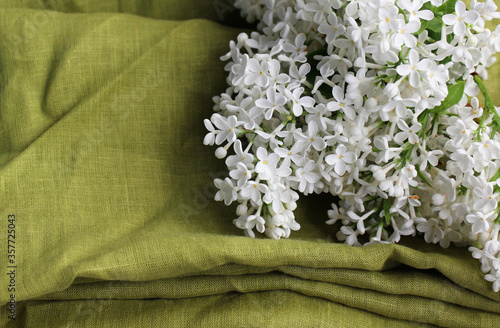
[(462, 190), (423, 27), (445, 60), (387, 211), (434, 28), (434, 25), (450, 6), (497, 220), (455, 93), (426, 6), (496, 176), (434, 35), (449, 38), (447, 7)]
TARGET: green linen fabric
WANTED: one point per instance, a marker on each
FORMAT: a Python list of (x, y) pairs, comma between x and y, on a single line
[(102, 163), (173, 10)]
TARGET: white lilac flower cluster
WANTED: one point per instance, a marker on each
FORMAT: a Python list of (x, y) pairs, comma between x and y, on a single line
[(373, 101)]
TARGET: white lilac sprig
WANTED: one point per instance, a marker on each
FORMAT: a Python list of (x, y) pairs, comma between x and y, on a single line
[(374, 102)]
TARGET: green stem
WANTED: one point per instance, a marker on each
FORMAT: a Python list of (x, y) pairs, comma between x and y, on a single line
[(406, 153), (488, 107), (494, 178), (422, 133), (387, 211), (497, 220)]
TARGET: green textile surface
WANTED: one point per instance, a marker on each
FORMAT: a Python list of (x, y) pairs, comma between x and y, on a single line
[(102, 163)]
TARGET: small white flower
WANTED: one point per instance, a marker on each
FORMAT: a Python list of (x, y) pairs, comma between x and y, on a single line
[(312, 138), (447, 190), (341, 159), (253, 190), (306, 177), (459, 132), (487, 11), (298, 50), (386, 153), (486, 255), (409, 173), (273, 103), (437, 77), (241, 174), (495, 278), (257, 73), (277, 195), (319, 114), (341, 103), (431, 157), (413, 8), (335, 214), (489, 149), (266, 167), (404, 33), (228, 127), (462, 53), (210, 137), (462, 159), (298, 102), (286, 19), (333, 29), (431, 229), (292, 154), (244, 157), (486, 198), (275, 233), (249, 222), (412, 69), (349, 235), (275, 75), (238, 70), (322, 7), (299, 74), (359, 220), (460, 17), (387, 16), (227, 191), (479, 223), (407, 133)]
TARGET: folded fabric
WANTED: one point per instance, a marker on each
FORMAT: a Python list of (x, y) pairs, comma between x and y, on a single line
[(102, 163)]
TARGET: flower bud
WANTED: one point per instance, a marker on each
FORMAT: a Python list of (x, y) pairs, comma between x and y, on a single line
[(278, 220), (241, 209), (220, 153), (484, 237), (378, 173), (471, 40), (242, 37), (391, 90), (370, 103), (291, 205), (437, 199), (397, 191)]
